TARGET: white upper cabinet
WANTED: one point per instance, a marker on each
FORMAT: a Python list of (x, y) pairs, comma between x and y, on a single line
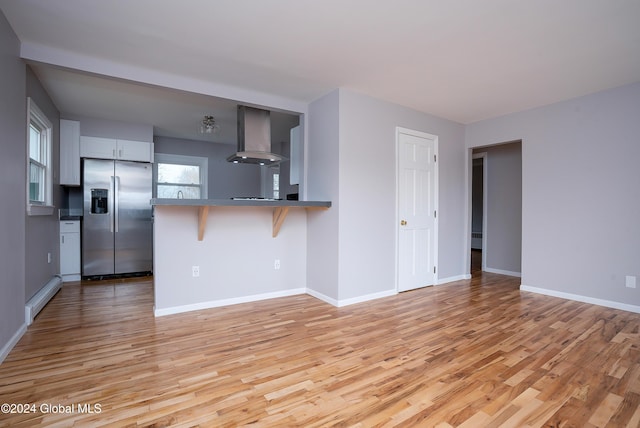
[(134, 150), (295, 155), (69, 152), (97, 147), (108, 148)]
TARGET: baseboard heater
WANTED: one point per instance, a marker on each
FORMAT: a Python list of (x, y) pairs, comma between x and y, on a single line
[(41, 298)]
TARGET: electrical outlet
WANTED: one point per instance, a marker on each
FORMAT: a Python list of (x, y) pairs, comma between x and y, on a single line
[(276, 264), (630, 281), (48, 257), (195, 271)]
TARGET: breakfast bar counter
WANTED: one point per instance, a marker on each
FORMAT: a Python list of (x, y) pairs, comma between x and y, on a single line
[(280, 208)]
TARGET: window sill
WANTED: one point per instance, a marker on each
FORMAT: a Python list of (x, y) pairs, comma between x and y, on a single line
[(40, 210)]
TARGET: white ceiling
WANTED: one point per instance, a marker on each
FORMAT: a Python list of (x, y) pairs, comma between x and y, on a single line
[(464, 60)]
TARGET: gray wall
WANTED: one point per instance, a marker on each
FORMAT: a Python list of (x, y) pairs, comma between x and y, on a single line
[(580, 181), (42, 232), (12, 187), (504, 208), (323, 177), (226, 180), (352, 162), (95, 127)]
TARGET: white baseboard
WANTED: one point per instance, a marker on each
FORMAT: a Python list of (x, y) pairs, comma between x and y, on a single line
[(503, 272), (584, 299), (441, 281), (351, 301), (366, 297), (226, 302), (12, 342), (323, 297)]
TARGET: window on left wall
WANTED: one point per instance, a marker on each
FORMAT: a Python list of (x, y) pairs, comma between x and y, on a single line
[(39, 165)]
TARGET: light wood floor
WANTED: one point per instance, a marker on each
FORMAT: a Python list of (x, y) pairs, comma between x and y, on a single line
[(476, 353)]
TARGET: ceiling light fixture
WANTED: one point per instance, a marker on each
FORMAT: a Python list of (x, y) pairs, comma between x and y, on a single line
[(208, 125)]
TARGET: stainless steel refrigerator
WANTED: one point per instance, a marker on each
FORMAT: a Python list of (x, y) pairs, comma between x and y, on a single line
[(117, 230)]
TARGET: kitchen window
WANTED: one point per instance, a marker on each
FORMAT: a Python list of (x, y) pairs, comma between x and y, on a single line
[(39, 177), (180, 177)]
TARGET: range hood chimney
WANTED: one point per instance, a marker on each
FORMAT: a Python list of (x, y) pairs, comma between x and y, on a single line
[(254, 138)]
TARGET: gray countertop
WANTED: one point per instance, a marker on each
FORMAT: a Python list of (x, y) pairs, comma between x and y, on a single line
[(238, 203)]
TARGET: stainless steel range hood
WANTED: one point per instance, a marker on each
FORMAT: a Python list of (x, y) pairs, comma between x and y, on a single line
[(254, 138)]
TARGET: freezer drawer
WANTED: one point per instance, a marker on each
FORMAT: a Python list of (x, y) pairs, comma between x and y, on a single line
[(70, 226)]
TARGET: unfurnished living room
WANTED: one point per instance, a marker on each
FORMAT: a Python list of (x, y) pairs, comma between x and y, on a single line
[(289, 213)]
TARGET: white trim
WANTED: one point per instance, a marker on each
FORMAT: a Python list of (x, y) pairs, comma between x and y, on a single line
[(454, 278), (35, 114), (366, 298), (427, 136), (257, 297), (579, 298), (226, 302), (352, 300), (33, 209), (502, 272), (12, 342), (323, 297)]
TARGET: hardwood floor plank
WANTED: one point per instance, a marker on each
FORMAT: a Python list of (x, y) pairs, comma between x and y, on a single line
[(605, 410), (474, 353)]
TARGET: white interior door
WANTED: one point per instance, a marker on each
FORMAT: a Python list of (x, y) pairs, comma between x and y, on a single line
[(417, 210)]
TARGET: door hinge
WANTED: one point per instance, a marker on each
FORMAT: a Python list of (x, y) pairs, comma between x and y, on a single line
[(434, 269), (435, 214), (434, 158)]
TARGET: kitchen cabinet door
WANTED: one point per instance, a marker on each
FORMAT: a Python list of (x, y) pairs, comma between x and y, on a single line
[(295, 155), (140, 151), (69, 152), (97, 147), (109, 148), (70, 250)]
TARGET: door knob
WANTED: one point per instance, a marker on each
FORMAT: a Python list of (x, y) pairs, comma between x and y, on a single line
[(403, 222)]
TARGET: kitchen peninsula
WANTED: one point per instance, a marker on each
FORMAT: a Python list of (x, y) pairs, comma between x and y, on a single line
[(217, 252)]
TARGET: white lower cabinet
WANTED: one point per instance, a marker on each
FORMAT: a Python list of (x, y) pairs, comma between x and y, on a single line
[(70, 250)]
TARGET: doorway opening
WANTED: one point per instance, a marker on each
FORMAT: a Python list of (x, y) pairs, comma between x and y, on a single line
[(495, 214), (478, 215)]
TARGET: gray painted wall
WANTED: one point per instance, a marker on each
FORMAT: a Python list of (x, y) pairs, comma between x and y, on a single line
[(12, 186), (323, 177), (580, 181), (96, 127), (355, 168), (42, 232)]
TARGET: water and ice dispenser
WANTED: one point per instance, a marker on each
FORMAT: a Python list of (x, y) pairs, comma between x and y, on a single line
[(99, 201)]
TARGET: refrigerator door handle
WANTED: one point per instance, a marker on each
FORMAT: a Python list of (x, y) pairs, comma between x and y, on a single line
[(116, 198), (112, 186)]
